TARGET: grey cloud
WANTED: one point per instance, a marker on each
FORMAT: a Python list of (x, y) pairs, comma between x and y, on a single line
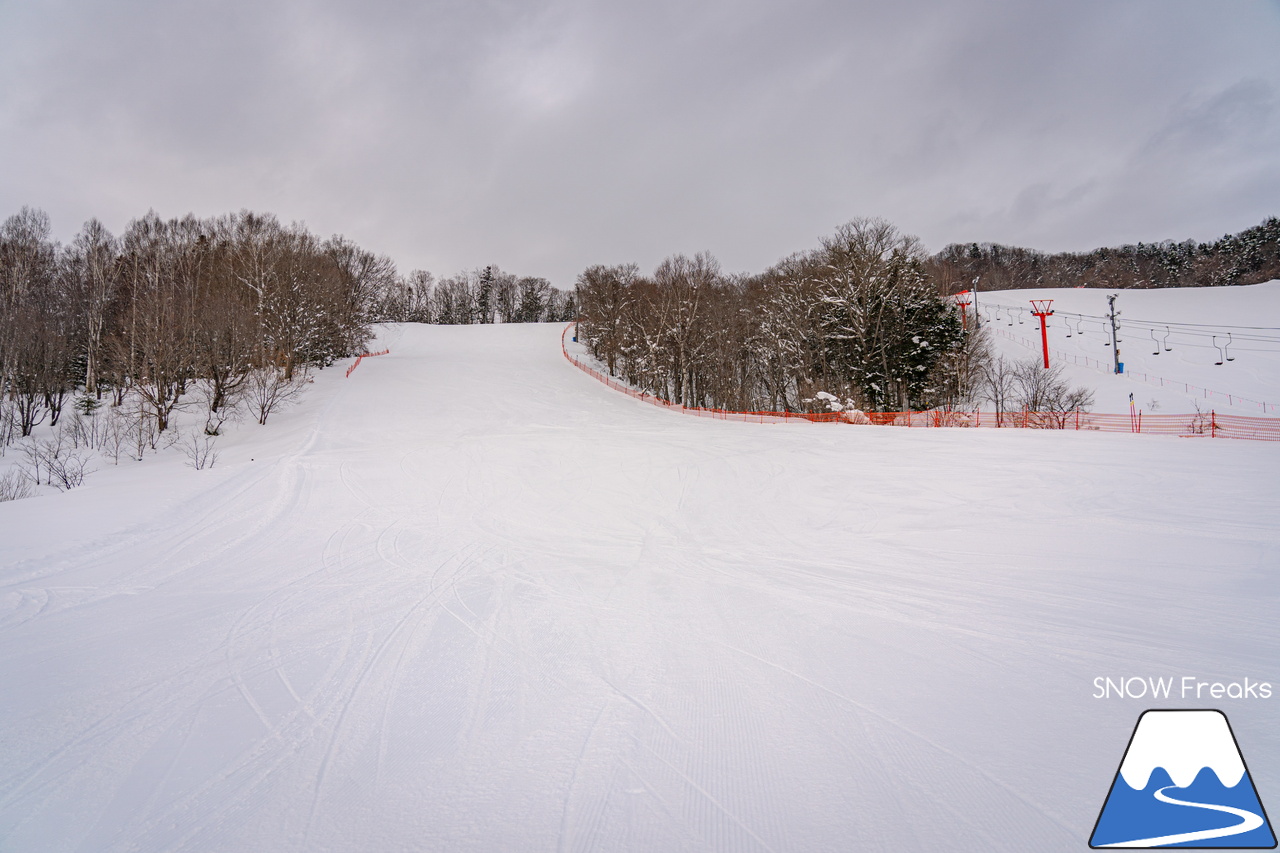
[(546, 136), (1241, 114)]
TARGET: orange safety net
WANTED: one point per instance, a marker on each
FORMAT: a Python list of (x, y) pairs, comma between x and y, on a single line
[(362, 356), (1198, 425)]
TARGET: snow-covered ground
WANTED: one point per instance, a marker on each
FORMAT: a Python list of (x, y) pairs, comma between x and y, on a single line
[(1170, 343), (471, 599)]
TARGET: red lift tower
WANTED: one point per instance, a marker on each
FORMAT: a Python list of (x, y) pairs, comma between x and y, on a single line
[(1040, 308), (963, 300)]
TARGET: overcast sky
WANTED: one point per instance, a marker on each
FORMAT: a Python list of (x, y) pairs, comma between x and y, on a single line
[(546, 136)]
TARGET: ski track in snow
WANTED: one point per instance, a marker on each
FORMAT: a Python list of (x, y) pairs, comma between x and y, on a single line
[(470, 599)]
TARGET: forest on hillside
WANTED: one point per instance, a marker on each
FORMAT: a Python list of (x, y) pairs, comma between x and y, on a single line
[(857, 324), (486, 295), (1250, 257), (222, 316), (863, 321), (233, 309)]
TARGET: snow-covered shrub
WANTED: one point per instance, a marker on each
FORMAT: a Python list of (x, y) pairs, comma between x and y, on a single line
[(269, 388), (69, 470), (15, 485), (848, 409), (831, 401), (199, 450), (220, 403), (63, 465), (85, 427), (9, 428), (114, 434), (143, 434)]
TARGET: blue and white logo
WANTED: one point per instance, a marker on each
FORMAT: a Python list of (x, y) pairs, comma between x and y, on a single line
[(1183, 783)]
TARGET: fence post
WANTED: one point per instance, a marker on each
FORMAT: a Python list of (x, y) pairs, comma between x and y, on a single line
[(1213, 424)]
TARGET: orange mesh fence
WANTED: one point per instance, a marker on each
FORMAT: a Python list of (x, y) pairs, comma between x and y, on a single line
[(1198, 425), (698, 411), (361, 357)]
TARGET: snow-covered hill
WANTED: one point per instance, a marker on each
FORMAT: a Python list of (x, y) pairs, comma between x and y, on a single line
[(471, 599), (1171, 341)]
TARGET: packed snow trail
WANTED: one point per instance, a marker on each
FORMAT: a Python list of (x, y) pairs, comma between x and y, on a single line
[(470, 599)]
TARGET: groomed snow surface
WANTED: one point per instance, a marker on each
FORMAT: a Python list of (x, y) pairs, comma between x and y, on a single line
[(471, 599)]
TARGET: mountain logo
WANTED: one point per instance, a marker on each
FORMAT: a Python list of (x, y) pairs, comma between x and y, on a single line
[(1183, 783)]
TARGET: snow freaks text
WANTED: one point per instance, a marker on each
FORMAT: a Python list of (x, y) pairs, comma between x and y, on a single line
[(1184, 687)]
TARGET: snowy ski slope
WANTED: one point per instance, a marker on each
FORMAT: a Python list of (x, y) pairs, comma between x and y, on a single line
[(470, 599), (1172, 335)]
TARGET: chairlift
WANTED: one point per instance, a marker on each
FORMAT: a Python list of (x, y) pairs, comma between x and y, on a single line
[(1221, 351), (1167, 348), (1226, 348), (1155, 341)]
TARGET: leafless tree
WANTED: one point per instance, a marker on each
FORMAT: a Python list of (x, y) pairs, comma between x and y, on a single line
[(269, 388), (64, 466), (200, 451), (604, 294), (997, 385), (15, 485), (1044, 394), (91, 268)]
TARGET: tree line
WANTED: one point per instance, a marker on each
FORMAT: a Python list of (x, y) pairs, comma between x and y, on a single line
[(237, 306), (1250, 257), (861, 322), (226, 315), (486, 295), (856, 323)]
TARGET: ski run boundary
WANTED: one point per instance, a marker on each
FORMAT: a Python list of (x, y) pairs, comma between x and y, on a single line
[(1198, 425)]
